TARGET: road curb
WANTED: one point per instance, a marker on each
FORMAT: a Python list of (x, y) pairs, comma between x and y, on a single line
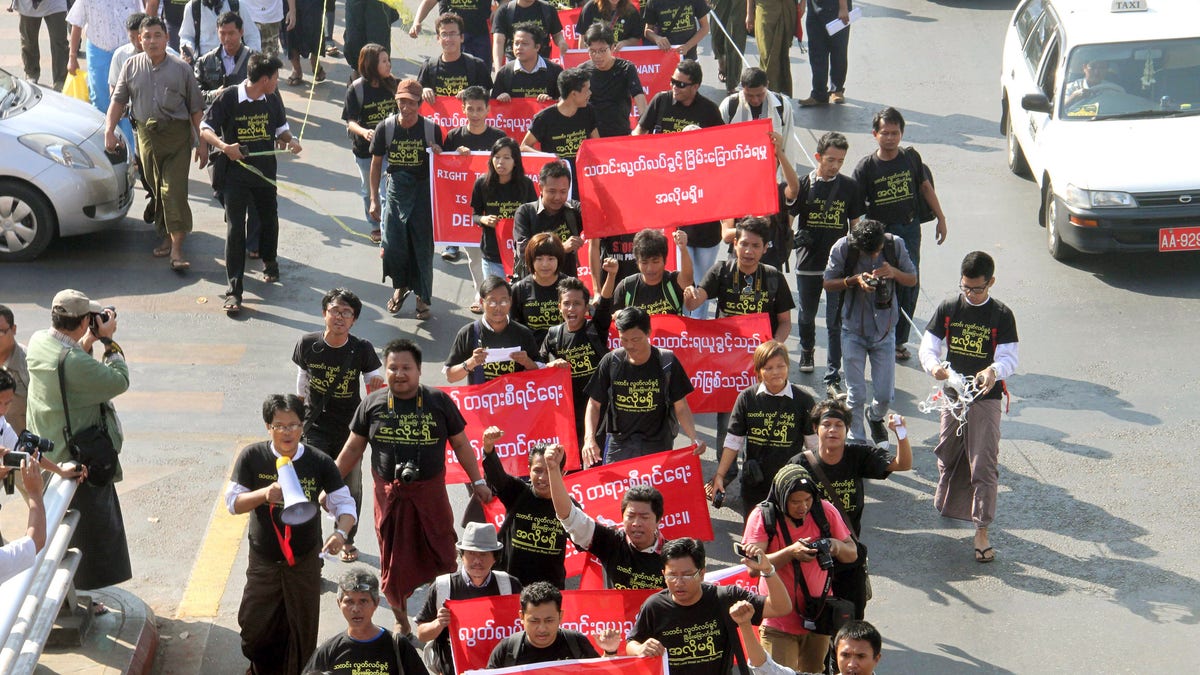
[(125, 640)]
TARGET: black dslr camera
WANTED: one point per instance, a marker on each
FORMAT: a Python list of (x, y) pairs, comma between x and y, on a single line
[(824, 557), (95, 320), (407, 471), (33, 444)]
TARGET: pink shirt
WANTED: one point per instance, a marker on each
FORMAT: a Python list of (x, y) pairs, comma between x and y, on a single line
[(814, 576)]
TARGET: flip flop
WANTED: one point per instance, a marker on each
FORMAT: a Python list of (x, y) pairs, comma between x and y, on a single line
[(376, 236), (902, 354), (295, 80), (319, 76), (162, 251), (232, 305), (180, 265), (981, 556), (476, 308), (349, 554), (394, 304)]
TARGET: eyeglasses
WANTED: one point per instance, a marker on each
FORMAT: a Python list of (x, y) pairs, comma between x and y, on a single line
[(361, 587), (679, 84), (599, 50), (498, 303), (449, 35), (286, 427), (682, 577), (972, 290), (341, 313)]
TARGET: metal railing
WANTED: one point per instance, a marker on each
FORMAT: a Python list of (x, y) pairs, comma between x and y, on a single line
[(30, 601)]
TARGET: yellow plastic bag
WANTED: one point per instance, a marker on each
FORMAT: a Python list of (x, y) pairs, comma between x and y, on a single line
[(76, 86)]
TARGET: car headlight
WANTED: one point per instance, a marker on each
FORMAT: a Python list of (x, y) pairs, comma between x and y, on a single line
[(58, 149), (1090, 199)]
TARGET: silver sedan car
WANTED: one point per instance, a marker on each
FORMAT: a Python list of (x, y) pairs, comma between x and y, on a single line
[(56, 179)]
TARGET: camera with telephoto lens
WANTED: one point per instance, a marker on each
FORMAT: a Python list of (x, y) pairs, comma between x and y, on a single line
[(802, 238), (824, 557), (408, 471), (33, 444)]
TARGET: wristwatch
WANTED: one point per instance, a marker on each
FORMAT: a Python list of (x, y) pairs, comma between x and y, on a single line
[(479, 482)]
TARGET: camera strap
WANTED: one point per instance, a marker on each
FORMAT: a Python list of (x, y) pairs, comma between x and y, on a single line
[(815, 463), (62, 389)]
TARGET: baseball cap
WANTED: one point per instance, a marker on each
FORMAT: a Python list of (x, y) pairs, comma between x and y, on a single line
[(409, 88), (70, 302)]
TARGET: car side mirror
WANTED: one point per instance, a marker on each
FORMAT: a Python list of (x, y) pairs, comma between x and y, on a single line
[(1037, 103)]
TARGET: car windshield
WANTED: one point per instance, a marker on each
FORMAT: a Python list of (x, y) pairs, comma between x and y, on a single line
[(1132, 79), (8, 90)]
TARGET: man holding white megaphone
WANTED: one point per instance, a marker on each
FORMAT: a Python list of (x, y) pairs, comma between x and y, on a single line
[(279, 481)]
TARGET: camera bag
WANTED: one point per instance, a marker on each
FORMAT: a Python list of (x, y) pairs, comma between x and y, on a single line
[(92, 447)]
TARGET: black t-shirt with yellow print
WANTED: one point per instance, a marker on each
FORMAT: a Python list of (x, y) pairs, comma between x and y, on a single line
[(764, 290), (376, 104), (251, 124), (477, 334), (971, 334), (825, 208), (407, 150), (415, 429)]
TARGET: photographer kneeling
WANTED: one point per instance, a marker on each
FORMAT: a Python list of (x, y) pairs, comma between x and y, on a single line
[(803, 550)]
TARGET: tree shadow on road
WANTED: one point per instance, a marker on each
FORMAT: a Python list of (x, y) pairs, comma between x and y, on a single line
[(900, 658)]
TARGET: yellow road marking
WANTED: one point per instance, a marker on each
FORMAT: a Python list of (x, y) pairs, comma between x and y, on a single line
[(214, 563)]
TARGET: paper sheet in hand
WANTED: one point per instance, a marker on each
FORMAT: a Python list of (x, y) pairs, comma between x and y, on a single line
[(496, 354), (836, 25)]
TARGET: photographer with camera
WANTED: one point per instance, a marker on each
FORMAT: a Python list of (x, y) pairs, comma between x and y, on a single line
[(72, 392), (803, 535), (408, 425), (866, 266), (20, 554)]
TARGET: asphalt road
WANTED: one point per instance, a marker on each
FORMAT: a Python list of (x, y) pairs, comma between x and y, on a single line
[(1096, 569)]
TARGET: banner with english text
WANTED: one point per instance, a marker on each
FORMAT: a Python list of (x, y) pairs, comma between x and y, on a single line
[(621, 665), (654, 66), (627, 183), (477, 625), (532, 407), (452, 177), (717, 354)]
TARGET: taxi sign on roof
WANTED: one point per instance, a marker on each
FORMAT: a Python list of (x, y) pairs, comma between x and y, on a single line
[(1129, 6)]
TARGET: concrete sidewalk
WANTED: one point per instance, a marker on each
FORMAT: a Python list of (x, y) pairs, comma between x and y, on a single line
[(124, 640)]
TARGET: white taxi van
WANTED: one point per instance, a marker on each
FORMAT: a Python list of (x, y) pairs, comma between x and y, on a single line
[(1100, 103)]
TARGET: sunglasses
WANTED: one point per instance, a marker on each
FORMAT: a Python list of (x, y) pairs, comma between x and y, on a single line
[(679, 84)]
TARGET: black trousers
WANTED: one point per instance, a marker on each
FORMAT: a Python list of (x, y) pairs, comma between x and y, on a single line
[(280, 613), (239, 195), (330, 442), (827, 56)]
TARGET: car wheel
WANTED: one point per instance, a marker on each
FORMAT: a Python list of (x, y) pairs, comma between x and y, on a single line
[(1055, 218), (27, 222), (1016, 156)]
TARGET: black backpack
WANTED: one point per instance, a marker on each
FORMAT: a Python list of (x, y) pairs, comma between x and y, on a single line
[(516, 641)]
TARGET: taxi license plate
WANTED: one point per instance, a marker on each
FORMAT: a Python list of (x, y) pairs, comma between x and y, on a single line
[(1179, 239)]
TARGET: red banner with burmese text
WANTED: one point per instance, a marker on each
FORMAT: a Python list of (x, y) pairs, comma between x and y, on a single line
[(532, 407), (655, 67), (568, 18), (624, 665), (452, 177), (629, 182), (513, 118), (675, 473), (477, 625), (717, 354)]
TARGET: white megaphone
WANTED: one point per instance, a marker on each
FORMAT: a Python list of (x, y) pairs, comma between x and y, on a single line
[(297, 510)]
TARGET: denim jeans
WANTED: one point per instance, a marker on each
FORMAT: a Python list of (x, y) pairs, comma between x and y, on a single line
[(702, 260), (98, 61), (364, 173), (808, 287), (906, 296), (856, 349), (491, 269)]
